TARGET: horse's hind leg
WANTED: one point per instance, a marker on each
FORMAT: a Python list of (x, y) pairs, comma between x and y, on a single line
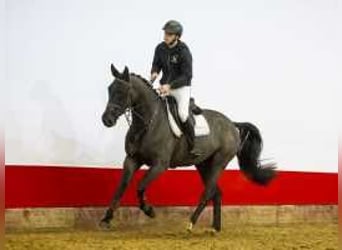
[(203, 170), (217, 163), (217, 209)]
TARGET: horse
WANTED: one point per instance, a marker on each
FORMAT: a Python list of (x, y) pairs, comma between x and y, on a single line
[(150, 141)]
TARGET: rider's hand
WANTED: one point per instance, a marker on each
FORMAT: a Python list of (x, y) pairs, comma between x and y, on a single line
[(164, 89), (167, 88), (161, 90), (154, 76)]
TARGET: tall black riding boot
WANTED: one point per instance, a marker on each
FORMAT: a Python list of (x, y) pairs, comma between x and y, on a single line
[(189, 132)]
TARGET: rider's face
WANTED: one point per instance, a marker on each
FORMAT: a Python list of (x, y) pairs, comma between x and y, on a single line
[(169, 38)]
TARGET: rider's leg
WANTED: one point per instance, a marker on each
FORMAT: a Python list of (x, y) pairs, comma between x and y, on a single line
[(189, 133), (182, 96)]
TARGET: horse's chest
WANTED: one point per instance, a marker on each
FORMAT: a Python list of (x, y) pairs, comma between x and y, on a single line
[(133, 141), (140, 146)]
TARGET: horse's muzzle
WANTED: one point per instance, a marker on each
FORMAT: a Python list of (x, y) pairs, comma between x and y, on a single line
[(108, 120)]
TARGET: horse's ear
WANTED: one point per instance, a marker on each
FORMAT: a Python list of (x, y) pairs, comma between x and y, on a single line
[(115, 72), (125, 74)]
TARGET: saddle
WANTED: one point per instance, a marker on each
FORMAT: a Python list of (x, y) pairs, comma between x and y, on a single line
[(199, 122)]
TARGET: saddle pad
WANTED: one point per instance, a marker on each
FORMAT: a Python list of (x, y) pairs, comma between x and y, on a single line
[(201, 124)]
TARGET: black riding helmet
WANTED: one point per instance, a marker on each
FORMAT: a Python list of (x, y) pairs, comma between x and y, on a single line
[(173, 27)]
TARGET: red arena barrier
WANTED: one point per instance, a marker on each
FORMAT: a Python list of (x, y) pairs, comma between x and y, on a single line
[(55, 186)]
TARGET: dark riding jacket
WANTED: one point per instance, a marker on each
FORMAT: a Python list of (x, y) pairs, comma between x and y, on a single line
[(175, 63)]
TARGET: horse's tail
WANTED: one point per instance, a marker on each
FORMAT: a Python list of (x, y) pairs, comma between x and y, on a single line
[(249, 153)]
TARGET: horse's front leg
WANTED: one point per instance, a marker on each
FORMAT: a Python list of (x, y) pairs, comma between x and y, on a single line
[(153, 172), (129, 167)]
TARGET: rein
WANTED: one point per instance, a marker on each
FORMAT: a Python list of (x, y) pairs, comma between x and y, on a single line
[(131, 109)]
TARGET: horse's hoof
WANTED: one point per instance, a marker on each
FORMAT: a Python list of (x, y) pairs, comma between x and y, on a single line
[(189, 227), (212, 231), (104, 224), (150, 212)]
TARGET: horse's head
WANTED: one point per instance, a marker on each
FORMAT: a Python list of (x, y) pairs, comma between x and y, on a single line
[(119, 98)]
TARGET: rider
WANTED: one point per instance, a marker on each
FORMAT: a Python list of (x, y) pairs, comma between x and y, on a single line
[(174, 59)]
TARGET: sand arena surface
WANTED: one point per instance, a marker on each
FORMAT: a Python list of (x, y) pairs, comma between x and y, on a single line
[(174, 236)]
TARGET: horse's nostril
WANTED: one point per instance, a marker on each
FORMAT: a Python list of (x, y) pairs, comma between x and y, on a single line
[(106, 121)]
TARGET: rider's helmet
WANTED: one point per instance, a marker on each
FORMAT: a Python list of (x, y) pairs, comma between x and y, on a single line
[(173, 27)]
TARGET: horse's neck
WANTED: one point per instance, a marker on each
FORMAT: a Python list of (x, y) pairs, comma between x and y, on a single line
[(145, 104)]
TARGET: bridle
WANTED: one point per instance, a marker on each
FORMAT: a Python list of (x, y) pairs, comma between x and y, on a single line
[(132, 109)]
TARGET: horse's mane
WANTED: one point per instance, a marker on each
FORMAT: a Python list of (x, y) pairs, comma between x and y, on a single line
[(147, 83)]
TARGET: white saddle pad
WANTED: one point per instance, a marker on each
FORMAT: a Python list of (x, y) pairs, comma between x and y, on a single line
[(201, 124)]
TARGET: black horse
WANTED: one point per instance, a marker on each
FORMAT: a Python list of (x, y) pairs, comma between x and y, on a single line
[(150, 141)]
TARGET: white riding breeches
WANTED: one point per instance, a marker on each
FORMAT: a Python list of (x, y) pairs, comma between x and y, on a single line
[(182, 96)]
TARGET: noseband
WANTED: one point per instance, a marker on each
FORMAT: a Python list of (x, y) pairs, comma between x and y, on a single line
[(132, 109)]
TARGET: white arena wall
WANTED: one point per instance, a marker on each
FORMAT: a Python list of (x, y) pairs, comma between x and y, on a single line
[(275, 64)]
